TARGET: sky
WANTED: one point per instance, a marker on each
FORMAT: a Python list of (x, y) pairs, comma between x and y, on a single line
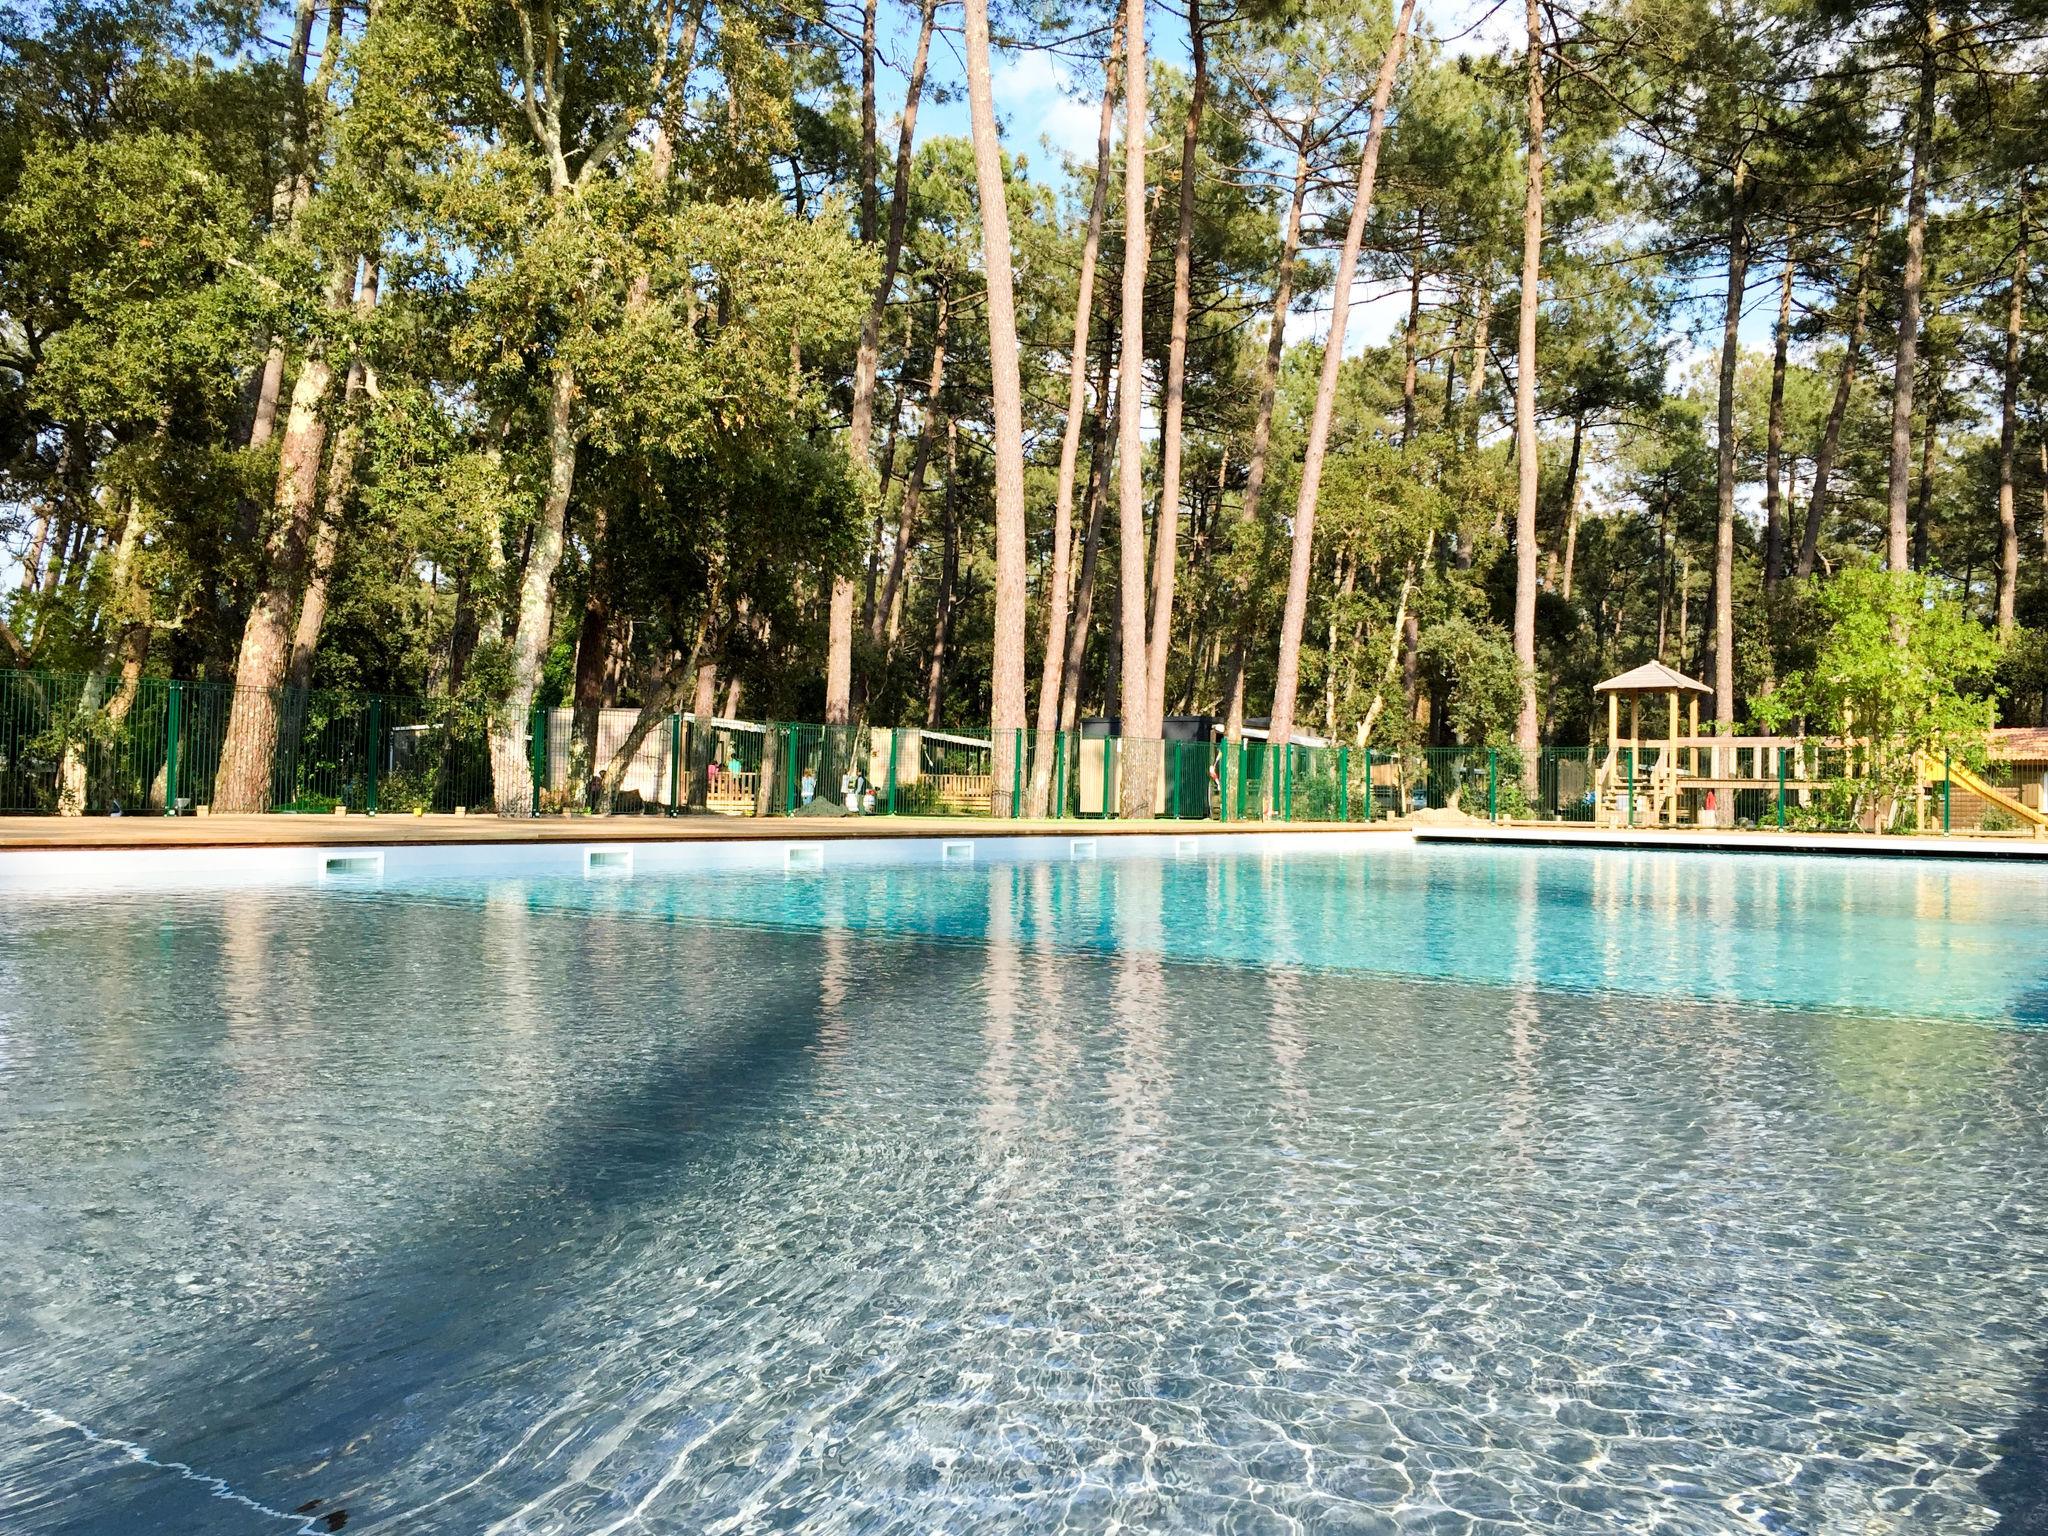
[(1048, 110)]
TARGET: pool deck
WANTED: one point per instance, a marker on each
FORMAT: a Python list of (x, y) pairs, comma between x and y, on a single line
[(1701, 840), (42, 833), (20, 834)]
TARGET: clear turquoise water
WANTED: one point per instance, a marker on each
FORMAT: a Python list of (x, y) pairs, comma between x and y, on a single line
[(1408, 1191)]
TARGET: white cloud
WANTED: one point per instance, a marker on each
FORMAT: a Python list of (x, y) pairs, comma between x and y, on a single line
[(1039, 104)]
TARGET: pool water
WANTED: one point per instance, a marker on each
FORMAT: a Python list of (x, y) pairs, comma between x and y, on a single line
[(1406, 1190)]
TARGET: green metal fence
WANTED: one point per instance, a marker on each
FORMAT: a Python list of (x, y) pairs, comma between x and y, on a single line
[(156, 746)]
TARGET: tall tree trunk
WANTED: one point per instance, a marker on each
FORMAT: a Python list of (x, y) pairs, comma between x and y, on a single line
[(249, 746), (1774, 433), (1262, 429), (1526, 466), (593, 653), (1573, 480), (1901, 468), (511, 771), (1136, 789), (1724, 441), (1838, 407), (861, 425), (1411, 335), (1475, 377), (283, 210), (32, 557), (126, 644), (1006, 705), (949, 579), (1294, 615), (1398, 641), (1165, 550), (887, 613), (1099, 452), (1930, 444), (341, 480), (2008, 433), (1056, 607)]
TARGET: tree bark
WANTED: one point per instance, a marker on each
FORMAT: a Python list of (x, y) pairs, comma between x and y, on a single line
[(1262, 429), (1572, 482), (249, 745), (1135, 790), (887, 613), (1526, 466), (1896, 550), (1100, 449), (1295, 614), (1007, 718), (1838, 407), (127, 643), (341, 479), (949, 579), (511, 770), (32, 557), (1930, 443), (1475, 377), (2008, 434), (861, 425), (1774, 433), (1724, 477), (1165, 549), (593, 648), (1411, 335), (283, 211), (1053, 671)]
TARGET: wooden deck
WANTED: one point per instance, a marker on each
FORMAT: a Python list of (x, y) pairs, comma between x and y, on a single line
[(20, 833), (1981, 845)]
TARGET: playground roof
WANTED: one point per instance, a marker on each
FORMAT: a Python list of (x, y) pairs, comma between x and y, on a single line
[(1651, 677)]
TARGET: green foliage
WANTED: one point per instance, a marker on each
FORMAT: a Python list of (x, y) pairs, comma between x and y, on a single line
[(1475, 664), (1899, 664)]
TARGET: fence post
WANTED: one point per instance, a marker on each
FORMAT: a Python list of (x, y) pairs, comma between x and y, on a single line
[(675, 764), (1343, 783), (173, 728), (1059, 775), (895, 736), (1781, 788), (1947, 785), (789, 770), (1110, 796), (1017, 777), (537, 749), (370, 757), (1493, 783), (1368, 783), (1287, 768), (1631, 751)]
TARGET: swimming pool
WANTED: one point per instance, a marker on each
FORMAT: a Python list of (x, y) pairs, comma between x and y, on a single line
[(1386, 1190)]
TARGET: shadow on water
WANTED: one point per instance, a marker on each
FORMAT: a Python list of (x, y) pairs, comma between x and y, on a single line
[(310, 1402), (2017, 1484)]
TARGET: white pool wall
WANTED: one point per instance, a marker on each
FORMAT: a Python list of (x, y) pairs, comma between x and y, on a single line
[(59, 871)]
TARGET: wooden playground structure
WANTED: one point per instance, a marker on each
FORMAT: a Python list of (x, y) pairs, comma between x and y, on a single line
[(1689, 779)]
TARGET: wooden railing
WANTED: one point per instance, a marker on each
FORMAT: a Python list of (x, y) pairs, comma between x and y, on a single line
[(732, 794)]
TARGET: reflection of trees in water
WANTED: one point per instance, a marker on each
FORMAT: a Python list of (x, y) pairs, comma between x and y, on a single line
[(1055, 1046), (1137, 1087), (1002, 988)]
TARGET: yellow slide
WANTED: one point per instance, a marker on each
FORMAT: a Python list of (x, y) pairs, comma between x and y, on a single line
[(1932, 772)]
